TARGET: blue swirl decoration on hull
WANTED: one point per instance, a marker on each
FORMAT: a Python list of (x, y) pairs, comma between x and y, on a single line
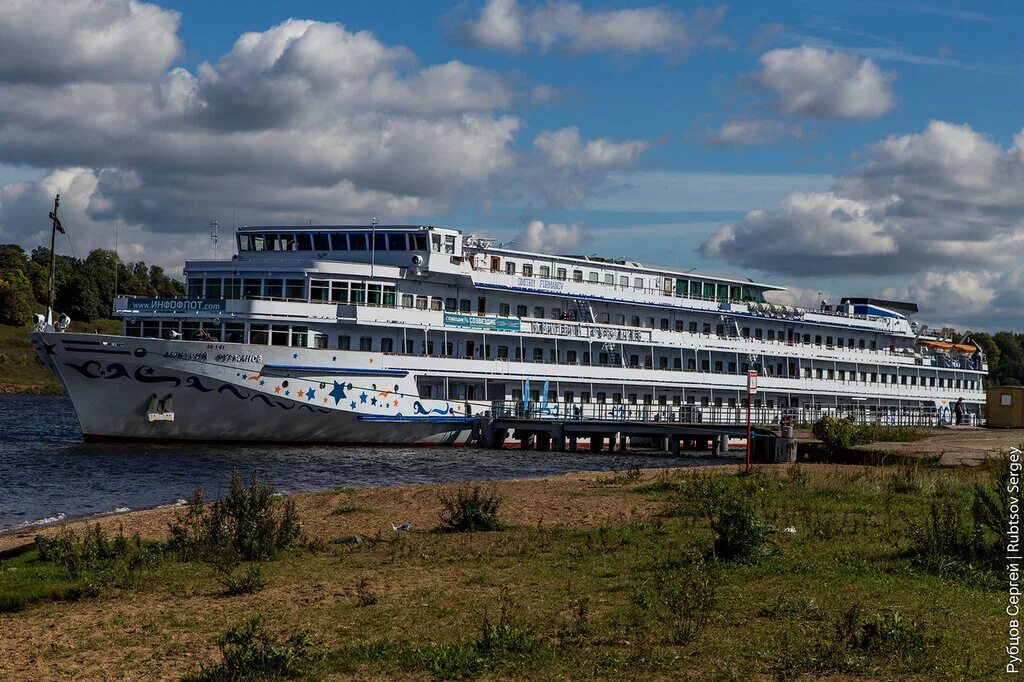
[(419, 409), (147, 376), (93, 369), (238, 393), (193, 382)]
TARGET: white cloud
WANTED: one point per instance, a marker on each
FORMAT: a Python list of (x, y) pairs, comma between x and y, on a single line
[(562, 24), (749, 130), (303, 121), (944, 205), (818, 83), (553, 238), (564, 165), (500, 26), (56, 41)]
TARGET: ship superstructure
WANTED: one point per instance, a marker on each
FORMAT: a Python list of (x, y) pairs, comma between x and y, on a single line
[(407, 333)]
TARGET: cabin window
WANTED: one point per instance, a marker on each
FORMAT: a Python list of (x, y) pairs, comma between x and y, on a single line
[(538, 312), (421, 302), (344, 342), (545, 271), (464, 305), (234, 332), (556, 314), (450, 304), (593, 277), (449, 244), (521, 311), (435, 242), (510, 268), (407, 300), (634, 321), (624, 281), (538, 355), (680, 325), (638, 283), (319, 290), (709, 290), (357, 293), (603, 318), (273, 288), (649, 323), (213, 288), (504, 309), (387, 345), (259, 334), (436, 303), (609, 280), (664, 324), (693, 327), (295, 288), (560, 273), (503, 352), (321, 242), (195, 287), (365, 343), (373, 294), (495, 264)]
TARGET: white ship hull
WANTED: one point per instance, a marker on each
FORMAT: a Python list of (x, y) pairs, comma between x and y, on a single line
[(152, 389)]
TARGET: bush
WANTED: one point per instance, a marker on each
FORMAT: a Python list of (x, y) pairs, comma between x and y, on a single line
[(250, 653), (839, 434), (740, 534), (681, 600), (238, 581), (95, 556), (250, 522), (469, 511)]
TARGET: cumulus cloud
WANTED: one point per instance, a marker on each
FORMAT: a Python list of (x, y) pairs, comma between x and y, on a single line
[(750, 130), (57, 41), (819, 83), (564, 165), (303, 121), (561, 24), (555, 238), (944, 205)]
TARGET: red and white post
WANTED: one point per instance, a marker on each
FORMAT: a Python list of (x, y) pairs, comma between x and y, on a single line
[(751, 390)]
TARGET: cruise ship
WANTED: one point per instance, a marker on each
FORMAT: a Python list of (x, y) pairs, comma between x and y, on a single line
[(412, 334)]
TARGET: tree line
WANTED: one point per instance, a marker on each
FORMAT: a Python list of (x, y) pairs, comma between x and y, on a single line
[(84, 287)]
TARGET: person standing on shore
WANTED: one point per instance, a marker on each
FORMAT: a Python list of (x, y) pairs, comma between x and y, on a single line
[(959, 411)]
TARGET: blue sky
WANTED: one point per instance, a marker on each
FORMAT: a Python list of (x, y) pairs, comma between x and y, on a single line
[(656, 172)]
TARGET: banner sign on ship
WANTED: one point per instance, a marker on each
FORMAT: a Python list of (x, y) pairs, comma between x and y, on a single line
[(174, 305), (485, 323)]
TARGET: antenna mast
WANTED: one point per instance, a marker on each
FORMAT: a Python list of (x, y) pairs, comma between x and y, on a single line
[(55, 223), (215, 236), (373, 244)]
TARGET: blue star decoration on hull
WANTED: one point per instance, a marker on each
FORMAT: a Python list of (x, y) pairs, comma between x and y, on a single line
[(311, 394), (363, 397), (338, 392), (353, 404)]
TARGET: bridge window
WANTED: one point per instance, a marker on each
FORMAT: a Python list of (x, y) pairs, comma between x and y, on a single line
[(195, 287), (380, 241), (304, 242), (356, 242), (396, 242)]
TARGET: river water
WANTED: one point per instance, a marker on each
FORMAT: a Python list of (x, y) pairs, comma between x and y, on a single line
[(48, 473)]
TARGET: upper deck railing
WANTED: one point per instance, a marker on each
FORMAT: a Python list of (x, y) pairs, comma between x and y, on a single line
[(722, 415)]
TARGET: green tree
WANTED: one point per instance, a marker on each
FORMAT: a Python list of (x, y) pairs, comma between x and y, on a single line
[(16, 302), (12, 257)]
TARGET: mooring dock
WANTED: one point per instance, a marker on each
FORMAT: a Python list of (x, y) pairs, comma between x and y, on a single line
[(606, 427)]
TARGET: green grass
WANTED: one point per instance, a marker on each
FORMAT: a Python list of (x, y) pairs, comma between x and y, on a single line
[(840, 596), (21, 370)]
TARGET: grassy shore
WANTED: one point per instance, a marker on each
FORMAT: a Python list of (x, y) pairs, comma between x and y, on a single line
[(20, 368), (591, 576)]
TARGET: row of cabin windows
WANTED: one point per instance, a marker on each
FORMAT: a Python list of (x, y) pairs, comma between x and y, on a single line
[(337, 241), (229, 332), (334, 291), (679, 287)]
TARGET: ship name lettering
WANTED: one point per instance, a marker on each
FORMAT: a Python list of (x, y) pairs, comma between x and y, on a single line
[(176, 355), (236, 357)]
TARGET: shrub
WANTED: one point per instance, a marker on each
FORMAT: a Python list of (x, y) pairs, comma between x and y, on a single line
[(240, 581), (250, 653), (95, 556), (251, 522), (470, 510), (682, 601), (838, 434), (740, 534)]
